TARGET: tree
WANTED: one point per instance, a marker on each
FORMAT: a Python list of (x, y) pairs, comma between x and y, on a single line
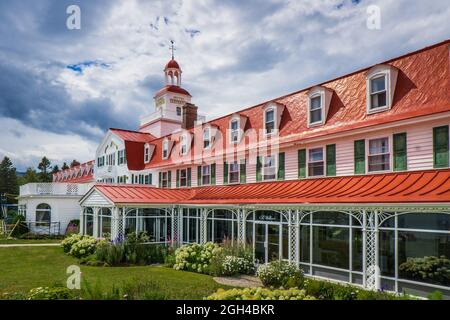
[(44, 168), (74, 163), (55, 169), (8, 178), (64, 166), (30, 176)]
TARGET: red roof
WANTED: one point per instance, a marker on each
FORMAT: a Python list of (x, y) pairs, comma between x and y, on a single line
[(172, 64), (133, 136), (79, 174), (172, 88), (407, 187), (422, 89)]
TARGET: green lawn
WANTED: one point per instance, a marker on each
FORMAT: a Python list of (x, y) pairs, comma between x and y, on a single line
[(26, 241), (23, 268)]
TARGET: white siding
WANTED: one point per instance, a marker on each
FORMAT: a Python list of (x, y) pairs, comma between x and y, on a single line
[(344, 157), (95, 199), (291, 164), (420, 148)]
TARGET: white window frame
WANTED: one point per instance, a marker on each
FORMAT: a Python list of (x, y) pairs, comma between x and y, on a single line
[(308, 161), (165, 149), (390, 149), (208, 175), (185, 177), (386, 89), (146, 153), (238, 172), (183, 145), (274, 166), (235, 132), (207, 129), (165, 179), (322, 109), (267, 110)]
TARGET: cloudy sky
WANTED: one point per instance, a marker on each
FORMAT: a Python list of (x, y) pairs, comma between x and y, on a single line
[(61, 89)]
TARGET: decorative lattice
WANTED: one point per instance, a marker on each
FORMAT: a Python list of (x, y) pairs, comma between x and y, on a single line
[(240, 226), (44, 188), (203, 225), (371, 272), (293, 229), (175, 226), (72, 189)]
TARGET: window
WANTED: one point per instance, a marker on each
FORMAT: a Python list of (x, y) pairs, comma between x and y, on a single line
[(234, 131), (269, 168), (148, 178), (206, 175), (101, 161), (184, 144), (183, 178), (234, 172), (110, 159), (315, 162), (178, 111), (165, 151), (146, 154), (315, 109), (43, 213), (121, 157), (206, 138), (378, 92), (379, 156), (164, 180), (270, 121)]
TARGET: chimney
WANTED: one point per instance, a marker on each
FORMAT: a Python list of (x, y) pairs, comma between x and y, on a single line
[(189, 115)]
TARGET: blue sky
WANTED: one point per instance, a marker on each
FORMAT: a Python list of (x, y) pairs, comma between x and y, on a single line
[(61, 89)]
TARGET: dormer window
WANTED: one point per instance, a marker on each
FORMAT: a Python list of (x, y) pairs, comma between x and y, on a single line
[(165, 149), (184, 145), (207, 138), (146, 153), (315, 110), (378, 92), (270, 121), (381, 82), (178, 111), (234, 131)]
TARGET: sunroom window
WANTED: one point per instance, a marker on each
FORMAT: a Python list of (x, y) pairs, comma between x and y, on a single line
[(269, 168), (270, 121), (206, 175), (234, 131), (206, 138), (378, 92), (234, 172), (316, 162), (379, 155), (315, 111)]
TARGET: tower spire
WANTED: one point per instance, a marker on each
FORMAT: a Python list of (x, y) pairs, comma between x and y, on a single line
[(172, 48)]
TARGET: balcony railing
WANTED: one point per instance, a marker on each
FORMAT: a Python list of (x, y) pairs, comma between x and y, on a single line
[(55, 189), (166, 114)]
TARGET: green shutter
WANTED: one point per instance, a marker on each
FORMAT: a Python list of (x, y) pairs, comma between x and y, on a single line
[(400, 152), (331, 160), (281, 170), (169, 179), (225, 172), (189, 174), (243, 171), (258, 169), (360, 157), (302, 164), (440, 147), (213, 174), (199, 175), (178, 178), (159, 180)]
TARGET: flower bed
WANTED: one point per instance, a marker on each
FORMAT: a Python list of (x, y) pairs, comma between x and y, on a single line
[(260, 294), (195, 257)]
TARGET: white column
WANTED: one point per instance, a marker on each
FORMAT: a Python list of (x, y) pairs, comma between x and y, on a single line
[(96, 224), (81, 221)]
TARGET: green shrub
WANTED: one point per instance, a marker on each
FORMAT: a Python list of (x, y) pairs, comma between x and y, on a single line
[(195, 257), (236, 265), (259, 294), (232, 259), (84, 247), (280, 274), (50, 293), (435, 295), (435, 269), (69, 241)]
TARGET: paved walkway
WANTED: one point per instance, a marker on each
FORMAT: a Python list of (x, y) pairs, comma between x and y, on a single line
[(239, 281), (29, 245)]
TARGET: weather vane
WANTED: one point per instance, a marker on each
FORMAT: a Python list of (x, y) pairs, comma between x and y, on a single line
[(172, 47)]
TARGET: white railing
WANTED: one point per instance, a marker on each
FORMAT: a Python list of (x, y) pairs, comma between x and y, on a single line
[(59, 189)]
